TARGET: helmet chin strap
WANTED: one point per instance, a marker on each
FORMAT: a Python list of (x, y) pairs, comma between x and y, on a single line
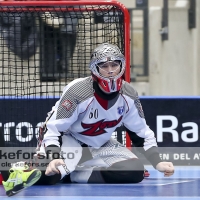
[(112, 86)]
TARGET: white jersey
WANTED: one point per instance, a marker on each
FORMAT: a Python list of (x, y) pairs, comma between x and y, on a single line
[(83, 112)]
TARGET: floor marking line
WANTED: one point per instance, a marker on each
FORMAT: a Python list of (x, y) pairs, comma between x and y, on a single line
[(175, 182)]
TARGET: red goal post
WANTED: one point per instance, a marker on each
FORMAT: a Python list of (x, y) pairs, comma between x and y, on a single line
[(84, 5), (80, 3)]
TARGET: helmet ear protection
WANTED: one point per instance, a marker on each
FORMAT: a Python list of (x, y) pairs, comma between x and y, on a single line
[(104, 53)]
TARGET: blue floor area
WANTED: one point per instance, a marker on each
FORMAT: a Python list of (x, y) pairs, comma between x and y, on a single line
[(184, 184)]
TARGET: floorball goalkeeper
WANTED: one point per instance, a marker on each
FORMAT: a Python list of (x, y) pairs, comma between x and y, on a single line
[(86, 115)]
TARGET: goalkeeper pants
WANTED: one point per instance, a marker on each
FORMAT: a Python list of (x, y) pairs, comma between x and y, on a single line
[(133, 172), (111, 163)]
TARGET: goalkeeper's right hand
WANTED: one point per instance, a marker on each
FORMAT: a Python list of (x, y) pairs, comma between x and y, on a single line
[(52, 168)]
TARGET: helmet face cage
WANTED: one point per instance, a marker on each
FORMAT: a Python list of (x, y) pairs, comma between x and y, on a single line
[(116, 65), (105, 53)]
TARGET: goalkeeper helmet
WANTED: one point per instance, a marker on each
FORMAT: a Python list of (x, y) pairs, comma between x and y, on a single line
[(106, 55)]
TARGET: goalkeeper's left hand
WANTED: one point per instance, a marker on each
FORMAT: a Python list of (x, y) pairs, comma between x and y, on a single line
[(166, 167)]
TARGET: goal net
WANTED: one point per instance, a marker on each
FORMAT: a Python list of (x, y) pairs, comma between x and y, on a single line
[(42, 49)]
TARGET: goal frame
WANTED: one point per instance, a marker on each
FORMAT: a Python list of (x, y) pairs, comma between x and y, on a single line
[(80, 3)]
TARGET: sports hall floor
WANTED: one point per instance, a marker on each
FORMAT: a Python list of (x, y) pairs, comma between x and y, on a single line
[(184, 184)]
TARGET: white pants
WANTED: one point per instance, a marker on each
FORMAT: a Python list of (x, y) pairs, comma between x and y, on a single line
[(110, 153)]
